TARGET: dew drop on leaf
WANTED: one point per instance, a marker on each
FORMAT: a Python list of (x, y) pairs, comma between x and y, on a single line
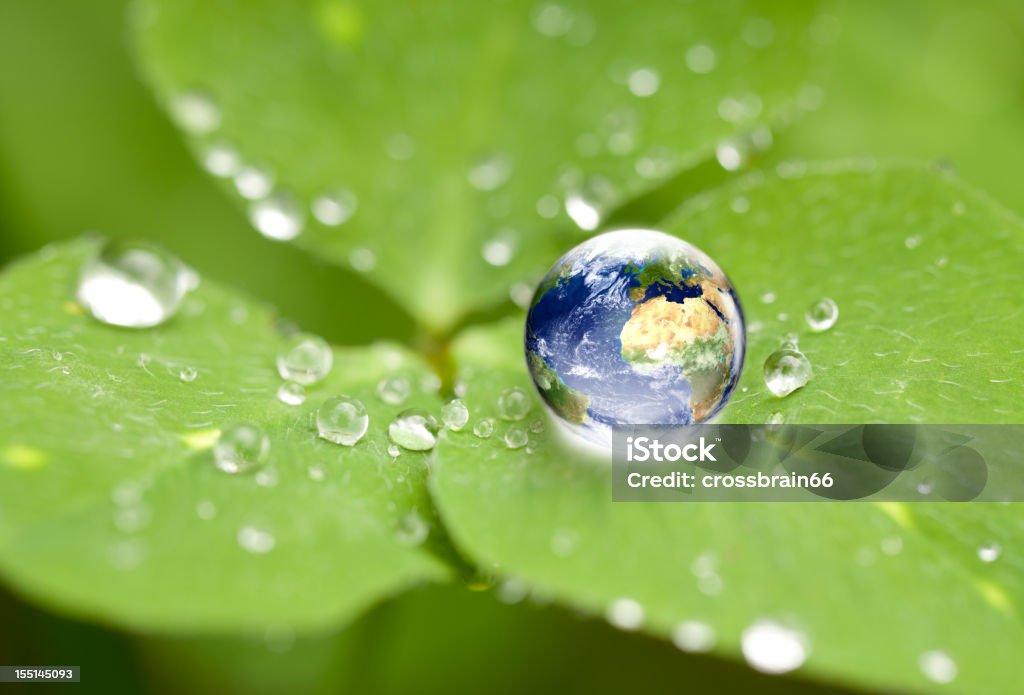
[(414, 429), (241, 447), (195, 112), (253, 183), (513, 404), (278, 216), (335, 208), (701, 58), (771, 647), (255, 540), (394, 451), (187, 374), (455, 414), (625, 614), (412, 530), (394, 390), (989, 552), (786, 370), (305, 359), (291, 393), (342, 420), (822, 315), (693, 636), (221, 159), (516, 438), (484, 428), (490, 173), (937, 666)]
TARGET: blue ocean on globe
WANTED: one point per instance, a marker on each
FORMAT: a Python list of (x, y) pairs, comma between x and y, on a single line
[(634, 327)]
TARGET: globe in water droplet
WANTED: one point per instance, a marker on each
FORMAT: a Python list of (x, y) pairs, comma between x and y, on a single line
[(634, 326), (513, 404), (455, 414), (241, 447), (484, 428), (305, 359), (415, 430), (133, 284), (771, 647), (822, 315), (335, 208), (394, 390), (786, 370), (291, 393), (516, 438), (278, 217), (342, 420)]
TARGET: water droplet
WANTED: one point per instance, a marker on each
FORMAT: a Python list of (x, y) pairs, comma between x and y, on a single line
[(913, 241), (937, 666), (221, 159), (196, 112), (490, 173), (291, 393), (342, 420), (625, 614), (499, 250), (133, 284), (701, 58), (253, 183), (693, 636), (730, 155), (401, 147), (768, 298), (989, 552), (415, 430), (822, 315), (394, 390), (278, 217), (206, 510), (187, 374), (455, 414), (484, 428), (583, 212), (335, 208), (786, 370), (305, 359), (644, 82), (362, 259), (316, 472), (776, 418), (240, 448), (412, 530), (512, 591), (256, 540), (925, 487), (514, 404), (771, 647), (394, 451), (516, 438), (537, 426)]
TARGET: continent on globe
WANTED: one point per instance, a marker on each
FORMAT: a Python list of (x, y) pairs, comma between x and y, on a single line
[(634, 327)]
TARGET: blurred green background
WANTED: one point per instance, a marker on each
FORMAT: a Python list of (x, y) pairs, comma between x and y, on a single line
[(83, 147)]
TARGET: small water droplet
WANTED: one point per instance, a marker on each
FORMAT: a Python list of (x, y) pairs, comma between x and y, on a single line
[(516, 438), (537, 426), (206, 510), (925, 487), (342, 420), (412, 530), (133, 284), (644, 82), (316, 472), (490, 173), (625, 614), (187, 374), (786, 370), (221, 159), (394, 451), (415, 430), (776, 418), (306, 359), (701, 58), (291, 393), (913, 241), (195, 112), (989, 552), (394, 390), (240, 448), (771, 647), (362, 259), (278, 216), (335, 208), (256, 540), (484, 428), (937, 666), (253, 183), (583, 212), (514, 404), (512, 591), (499, 250), (693, 636), (455, 414), (768, 298), (822, 315), (731, 155)]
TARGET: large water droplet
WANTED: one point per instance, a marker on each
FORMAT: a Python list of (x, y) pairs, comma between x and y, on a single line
[(342, 420), (306, 359), (278, 217), (937, 666), (195, 112), (394, 390), (822, 315), (773, 648), (412, 530), (240, 448), (256, 540), (693, 636), (625, 614), (786, 370), (335, 208), (291, 393), (133, 284), (455, 414), (415, 430), (989, 552), (490, 173), (514, 404), (484, 428)]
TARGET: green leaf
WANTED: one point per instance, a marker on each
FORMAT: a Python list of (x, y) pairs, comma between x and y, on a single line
[(406, 107), (872, 588), (111, 508)]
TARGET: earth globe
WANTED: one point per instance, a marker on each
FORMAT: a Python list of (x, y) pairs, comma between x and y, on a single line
[(634, 327)]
